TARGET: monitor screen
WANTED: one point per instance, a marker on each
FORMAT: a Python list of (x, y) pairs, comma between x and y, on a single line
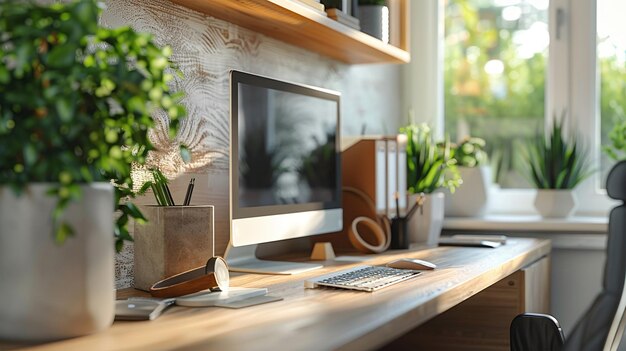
[(286, 147)]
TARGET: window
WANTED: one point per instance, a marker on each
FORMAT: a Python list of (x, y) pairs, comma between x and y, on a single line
[(611, 50), (509, 66), (495, 59)]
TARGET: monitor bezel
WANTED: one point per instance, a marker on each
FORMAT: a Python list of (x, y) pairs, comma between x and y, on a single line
[(240, 77)]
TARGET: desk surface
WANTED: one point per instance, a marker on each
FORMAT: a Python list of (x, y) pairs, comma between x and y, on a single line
[(323, 319)]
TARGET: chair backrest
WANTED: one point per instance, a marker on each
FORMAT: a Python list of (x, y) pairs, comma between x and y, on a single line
[(590, 333)]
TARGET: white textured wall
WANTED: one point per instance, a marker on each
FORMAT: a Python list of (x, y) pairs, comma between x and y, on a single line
[(205, 49)]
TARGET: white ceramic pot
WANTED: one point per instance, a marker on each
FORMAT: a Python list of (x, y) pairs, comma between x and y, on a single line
[(472, 197), (553, 203), (374, 20), (52, 291), (425, 226)]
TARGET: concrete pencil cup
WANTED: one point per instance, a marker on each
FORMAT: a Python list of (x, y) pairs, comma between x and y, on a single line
[(175, 239)]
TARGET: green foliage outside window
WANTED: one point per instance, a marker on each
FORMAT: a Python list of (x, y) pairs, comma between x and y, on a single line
[(508, 109)]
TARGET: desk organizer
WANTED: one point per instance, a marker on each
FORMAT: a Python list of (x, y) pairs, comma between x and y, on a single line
[(175, 239)]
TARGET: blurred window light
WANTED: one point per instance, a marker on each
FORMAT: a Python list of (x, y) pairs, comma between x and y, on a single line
[(511, 13), (504, 3), (494, 67), (540, 5)]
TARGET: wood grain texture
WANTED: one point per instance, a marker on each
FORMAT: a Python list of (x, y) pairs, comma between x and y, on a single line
[(482, 322), (295, 23), (324, 319)]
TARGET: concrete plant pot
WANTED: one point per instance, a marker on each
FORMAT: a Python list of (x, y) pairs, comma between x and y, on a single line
[(52, 291), (555, 203)]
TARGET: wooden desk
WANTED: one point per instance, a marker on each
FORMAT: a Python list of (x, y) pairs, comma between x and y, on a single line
[(321, 319)]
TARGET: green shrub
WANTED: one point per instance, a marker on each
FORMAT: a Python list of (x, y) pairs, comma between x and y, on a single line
[(617, 149), (76, 101)]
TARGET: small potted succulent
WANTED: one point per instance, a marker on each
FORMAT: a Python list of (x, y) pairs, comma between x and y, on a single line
[(76, 105), (556, 166), (471, 197), (430, 167)]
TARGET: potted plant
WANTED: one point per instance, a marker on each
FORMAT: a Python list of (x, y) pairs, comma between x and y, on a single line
[(429, 167), (470, 199), (374, 18), (75, 108), (556, 165)]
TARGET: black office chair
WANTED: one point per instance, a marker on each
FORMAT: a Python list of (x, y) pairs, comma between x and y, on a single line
[(532, 332)]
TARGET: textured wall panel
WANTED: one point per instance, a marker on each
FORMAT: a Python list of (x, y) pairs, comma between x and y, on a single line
[(205, 49)]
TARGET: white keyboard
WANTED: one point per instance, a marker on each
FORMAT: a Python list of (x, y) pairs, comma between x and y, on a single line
[(364, 278)]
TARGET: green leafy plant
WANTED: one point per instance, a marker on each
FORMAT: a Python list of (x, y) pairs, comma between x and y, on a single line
[(556, 162), (159, 187), (76, 101), (470, 152), (429, 166), (617, 149)]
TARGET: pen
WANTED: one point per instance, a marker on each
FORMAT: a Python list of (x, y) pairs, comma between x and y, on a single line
[(189, 192), (169, 195), (418, 203)]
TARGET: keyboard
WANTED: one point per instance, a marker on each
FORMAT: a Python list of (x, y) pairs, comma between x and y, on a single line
[(364, 278)]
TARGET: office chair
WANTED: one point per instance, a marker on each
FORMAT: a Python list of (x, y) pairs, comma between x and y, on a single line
[(530, 332)]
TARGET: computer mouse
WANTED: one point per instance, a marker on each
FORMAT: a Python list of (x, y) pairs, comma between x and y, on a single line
[(411, 263)]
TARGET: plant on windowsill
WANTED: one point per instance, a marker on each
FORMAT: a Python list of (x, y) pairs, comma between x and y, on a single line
[(430, 167), (76, 102), (470, 199), (556, 166)]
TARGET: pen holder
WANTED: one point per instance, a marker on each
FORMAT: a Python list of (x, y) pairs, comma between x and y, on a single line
[(399, 233), (175, 239)]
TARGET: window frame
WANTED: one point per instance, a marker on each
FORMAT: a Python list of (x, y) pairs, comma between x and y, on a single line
[(572, 84)]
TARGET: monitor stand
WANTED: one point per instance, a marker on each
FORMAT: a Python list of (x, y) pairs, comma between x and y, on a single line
[(243, 259)]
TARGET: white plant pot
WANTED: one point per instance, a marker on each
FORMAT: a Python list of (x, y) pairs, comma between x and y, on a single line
[(52, 291), (552, 203), (425, 225), (472, 197)]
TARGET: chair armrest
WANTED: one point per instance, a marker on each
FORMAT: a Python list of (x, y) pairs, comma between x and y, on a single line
[(535, 331)]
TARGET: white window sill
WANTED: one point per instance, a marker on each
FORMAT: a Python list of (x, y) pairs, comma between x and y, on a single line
[(529, 223)]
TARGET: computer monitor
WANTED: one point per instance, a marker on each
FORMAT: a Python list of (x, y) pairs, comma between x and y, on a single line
[(285, 179)]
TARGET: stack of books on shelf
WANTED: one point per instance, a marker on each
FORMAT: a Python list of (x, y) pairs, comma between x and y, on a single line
[(314, 5), (344, 18)]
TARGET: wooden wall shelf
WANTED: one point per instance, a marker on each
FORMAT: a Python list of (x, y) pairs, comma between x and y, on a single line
[(299, 25)]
